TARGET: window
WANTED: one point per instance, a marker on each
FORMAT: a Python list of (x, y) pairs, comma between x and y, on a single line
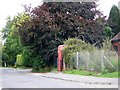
[(116, 48)]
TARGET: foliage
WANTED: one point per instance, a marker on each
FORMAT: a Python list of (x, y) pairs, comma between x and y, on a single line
[(53, 22), (111, 55), (13, 45), (19, 60), (42, 70), (107, 45), (1, 53), (7, 29), (108, 32), (114, 19), (39, 65), (12, 48), (5, 58), (1, 63), (28, 58), (109, 68), (74, 45), (74, 41)]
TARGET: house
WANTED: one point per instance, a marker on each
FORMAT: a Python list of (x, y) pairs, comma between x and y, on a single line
[(116, 43)]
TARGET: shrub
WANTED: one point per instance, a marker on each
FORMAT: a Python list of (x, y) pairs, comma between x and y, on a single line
[(113, 59), (111, 55), (19, 60), (74, 45), (39, 65), (5, 59), (108, 32), (28, 58), (107, 46), (74, 41), (0, 55)]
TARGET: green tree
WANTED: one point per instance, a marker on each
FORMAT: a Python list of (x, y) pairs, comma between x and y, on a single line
[(1, 53), (5, 58), (12, 46), (7, 29), (108, 32), (114, 19)]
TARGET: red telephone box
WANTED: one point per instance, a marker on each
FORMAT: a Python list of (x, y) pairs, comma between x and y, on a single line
[(60, 58)]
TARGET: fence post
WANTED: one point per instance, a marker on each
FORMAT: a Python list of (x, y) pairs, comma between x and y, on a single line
[(88, 58), (63, 64), (77, 60), (102, 60)]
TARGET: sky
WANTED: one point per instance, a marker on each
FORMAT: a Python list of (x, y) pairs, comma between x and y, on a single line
[(12, 7)]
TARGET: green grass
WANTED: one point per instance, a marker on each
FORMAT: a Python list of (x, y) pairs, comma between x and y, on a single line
[(90, 73), (54, 69), (110, 75)]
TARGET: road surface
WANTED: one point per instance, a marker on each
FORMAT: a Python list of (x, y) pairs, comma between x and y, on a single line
[(15, 78)]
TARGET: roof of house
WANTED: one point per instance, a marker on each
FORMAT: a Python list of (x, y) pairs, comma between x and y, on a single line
[(116, 38)]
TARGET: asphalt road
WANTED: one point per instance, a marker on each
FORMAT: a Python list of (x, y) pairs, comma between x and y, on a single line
[(12, 78)]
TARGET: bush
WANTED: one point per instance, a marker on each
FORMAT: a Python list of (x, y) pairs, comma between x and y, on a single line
[(42, 70), (107, 46), (28, 58), (5, 59), (111, 55), (108, 32), (77, 45), (39, 65), (0, 55), (19, 60), (74, 45), (74, 41), (0, 63)]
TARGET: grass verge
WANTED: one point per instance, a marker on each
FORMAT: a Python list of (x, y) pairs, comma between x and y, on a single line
[(90, 73)]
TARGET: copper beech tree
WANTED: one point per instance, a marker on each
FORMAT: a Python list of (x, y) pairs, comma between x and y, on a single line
[(53, 22)]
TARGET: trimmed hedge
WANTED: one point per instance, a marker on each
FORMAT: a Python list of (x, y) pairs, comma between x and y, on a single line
[(19, 60)]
